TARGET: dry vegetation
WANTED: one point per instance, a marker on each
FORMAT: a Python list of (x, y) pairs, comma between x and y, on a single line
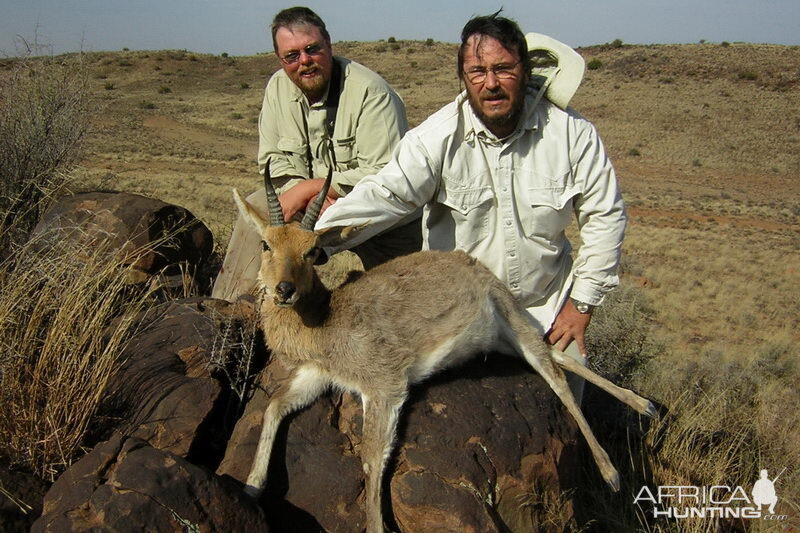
[(706, 142)]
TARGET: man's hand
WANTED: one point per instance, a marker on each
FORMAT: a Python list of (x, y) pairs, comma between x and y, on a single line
[(569, 325), (325, 205), (298, 197)]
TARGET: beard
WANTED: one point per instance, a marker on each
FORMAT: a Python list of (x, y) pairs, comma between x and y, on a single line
[(501, 121), (313, 87)]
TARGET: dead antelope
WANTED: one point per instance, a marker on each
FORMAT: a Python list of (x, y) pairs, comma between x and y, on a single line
[(392, 327)]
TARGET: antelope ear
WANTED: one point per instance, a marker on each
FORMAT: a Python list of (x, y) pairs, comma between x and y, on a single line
[(250, 214), (337, 236)]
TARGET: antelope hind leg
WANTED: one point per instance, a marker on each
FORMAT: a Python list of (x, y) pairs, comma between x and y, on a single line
[(554, 377), (380, 423), (305, 386), (626, 396)]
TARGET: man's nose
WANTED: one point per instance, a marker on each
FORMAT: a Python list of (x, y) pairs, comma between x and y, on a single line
[(491, 81), (305, 58)]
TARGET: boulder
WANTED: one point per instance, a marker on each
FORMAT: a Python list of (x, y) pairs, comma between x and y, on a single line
[(477, 448), (173, 389), (125, 485), (177, 241)]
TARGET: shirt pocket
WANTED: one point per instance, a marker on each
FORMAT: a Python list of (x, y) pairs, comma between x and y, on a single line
[(294, 150), (345, 152), (546, 212), (469, 209)]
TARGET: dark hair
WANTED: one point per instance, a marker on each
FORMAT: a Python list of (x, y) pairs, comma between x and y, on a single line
[(505, 30), (297, 16)]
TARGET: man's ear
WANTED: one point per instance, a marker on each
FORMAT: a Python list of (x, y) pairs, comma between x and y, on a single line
[(249, 213), (338, 235)]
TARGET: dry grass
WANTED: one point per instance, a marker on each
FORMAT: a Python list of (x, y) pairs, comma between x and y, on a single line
[(707, 156), (65, 316)]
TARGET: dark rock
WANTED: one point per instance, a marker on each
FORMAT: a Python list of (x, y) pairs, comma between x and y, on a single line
[(477, 447), (21, 496), (125, 485), (126, 222), (168, 391)]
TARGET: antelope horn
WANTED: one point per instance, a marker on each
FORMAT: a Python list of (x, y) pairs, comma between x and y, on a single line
[(273, 205), (312, 213)]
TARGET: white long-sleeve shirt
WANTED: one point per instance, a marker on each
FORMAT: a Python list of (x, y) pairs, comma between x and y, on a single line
[(505, 202)]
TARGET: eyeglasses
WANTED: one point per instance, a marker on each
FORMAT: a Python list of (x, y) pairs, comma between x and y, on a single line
[(293, 57), (501, 72)]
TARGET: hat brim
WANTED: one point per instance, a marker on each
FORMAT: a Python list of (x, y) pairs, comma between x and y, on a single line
[(571, 68)]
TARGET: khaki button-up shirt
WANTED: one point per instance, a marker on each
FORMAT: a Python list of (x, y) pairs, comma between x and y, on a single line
[(507, 202), (370, 121)]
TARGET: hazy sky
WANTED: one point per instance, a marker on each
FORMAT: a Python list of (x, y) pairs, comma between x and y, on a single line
[(240, 27)]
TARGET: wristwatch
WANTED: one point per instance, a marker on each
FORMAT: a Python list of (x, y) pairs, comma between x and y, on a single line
[(583, 308)]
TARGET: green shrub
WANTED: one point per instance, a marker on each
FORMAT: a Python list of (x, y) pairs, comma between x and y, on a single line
[(237, 116), (748, 75), (145, 104), (725, 44), (244, 85), (429, 41), (616, 43), (108, 86), (634, 152), (164, 90), (594, 64), (224, 54), (391, 40), (44, 116)]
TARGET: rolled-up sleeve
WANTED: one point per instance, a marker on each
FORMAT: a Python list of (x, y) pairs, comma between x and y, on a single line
[(601, 218)]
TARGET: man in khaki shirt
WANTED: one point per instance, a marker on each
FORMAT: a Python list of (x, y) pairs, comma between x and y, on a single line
[(318, 101)]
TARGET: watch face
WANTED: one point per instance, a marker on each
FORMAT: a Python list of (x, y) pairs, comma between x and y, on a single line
[(582, 308)]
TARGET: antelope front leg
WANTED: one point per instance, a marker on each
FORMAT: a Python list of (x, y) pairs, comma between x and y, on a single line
[(305, 386), (380, 422)]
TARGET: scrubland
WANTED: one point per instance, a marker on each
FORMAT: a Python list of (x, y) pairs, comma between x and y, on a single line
[(706, 142)]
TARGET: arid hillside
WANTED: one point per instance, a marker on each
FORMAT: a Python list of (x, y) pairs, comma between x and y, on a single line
[(705, 139)]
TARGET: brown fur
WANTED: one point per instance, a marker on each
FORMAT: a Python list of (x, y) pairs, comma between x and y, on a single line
[(391, 327)]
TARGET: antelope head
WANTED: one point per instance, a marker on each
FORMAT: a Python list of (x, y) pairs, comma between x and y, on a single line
[(289, 251)]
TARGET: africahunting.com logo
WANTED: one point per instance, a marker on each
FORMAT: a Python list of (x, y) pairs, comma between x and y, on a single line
[(717, 501)]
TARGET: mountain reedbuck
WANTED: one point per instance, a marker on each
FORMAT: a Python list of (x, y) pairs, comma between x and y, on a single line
[(394, 326)]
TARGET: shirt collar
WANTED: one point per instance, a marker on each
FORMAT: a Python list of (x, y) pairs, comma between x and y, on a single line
[(474, 128)]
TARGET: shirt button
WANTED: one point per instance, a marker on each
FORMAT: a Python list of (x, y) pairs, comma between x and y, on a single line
[(505, 189), (512, 254), (508, 222), (514, 285)]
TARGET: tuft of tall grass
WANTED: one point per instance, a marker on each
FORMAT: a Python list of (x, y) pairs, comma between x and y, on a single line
[(724, 420), (66, 315), (44, 116)]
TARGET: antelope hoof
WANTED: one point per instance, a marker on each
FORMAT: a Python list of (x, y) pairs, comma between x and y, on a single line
[(253, 492), (613, 480)]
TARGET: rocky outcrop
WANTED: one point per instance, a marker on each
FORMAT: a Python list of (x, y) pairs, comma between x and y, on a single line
[(478, 446), (173, 389), (173, 240), (125, 485)]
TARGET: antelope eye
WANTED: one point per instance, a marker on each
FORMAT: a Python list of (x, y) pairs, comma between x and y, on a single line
[(264, 246), (313, 253)]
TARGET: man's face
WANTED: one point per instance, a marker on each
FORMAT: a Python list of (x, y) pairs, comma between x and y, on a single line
[(306, 57), (496, 99)]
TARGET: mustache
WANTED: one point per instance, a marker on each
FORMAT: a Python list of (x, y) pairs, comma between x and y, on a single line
[(310, 68), (493, 93)]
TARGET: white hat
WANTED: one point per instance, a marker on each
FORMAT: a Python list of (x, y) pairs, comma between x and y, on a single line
[(556, 67)]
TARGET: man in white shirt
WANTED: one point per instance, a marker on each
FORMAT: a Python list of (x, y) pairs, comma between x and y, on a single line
[(499, 174)]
